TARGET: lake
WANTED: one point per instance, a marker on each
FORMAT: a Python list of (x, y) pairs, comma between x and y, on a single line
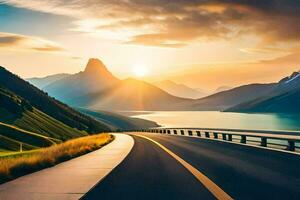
[(213, 119)]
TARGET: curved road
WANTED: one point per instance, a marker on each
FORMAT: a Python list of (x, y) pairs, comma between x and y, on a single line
[(243, 172)]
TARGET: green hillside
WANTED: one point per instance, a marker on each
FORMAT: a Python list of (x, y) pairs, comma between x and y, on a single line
[(21, 122), (29, 98), (12, 136)]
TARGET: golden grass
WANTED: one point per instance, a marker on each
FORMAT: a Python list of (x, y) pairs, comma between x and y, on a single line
[(12, 167)]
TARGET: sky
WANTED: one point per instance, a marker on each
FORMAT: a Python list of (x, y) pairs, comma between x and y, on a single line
[(201, 43)]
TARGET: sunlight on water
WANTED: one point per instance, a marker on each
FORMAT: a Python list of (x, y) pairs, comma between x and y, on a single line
[(212, 119)]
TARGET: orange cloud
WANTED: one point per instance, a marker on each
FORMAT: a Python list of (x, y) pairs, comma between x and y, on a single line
[(16, 42), (175, 23)]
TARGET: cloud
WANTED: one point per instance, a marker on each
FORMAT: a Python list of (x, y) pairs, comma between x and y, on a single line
[(291, 59), (163, 40), (266, 50), (176, 23), (9, 41)]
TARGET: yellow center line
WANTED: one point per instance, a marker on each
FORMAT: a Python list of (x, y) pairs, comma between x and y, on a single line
[(209, 184)]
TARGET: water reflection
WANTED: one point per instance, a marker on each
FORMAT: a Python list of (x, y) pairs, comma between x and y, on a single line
[(212, 119)]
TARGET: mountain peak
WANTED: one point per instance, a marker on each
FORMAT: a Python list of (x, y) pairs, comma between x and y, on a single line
[(95, 66), (294, 76)]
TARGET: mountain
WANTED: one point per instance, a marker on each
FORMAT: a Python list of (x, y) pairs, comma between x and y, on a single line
[(16, 91), (288, 102), (45, 81), (221, 89), (133, 94), (284, 98), (179, 90), (30, 116), (96, 88), (226, 99), (94, 78)]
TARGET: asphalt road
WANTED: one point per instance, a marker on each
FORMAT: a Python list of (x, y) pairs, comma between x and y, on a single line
[(148, 172), (242, 172)]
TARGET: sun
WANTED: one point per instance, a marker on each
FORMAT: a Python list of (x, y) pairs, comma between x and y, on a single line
[(140, 70)]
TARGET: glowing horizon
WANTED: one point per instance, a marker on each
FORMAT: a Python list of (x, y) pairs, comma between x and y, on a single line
[(200, 44)]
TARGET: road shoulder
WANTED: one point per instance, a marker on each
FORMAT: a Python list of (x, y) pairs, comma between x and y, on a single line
[(71, 179)]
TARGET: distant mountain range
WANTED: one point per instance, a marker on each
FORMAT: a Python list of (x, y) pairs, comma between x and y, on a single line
[(180, 90), (283, 98), (221, 89), (45, 81), (96, 88), (184, 91), (226, 99)]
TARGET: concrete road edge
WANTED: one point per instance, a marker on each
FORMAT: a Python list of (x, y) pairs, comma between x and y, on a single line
[(70, 179)]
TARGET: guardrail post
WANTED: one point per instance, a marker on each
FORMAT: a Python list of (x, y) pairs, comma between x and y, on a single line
[(207, 134), (263, 142), (215, 135), (291, 145), (223, 136), (226, 135), (243, 139), (182, 132), (21, 147)]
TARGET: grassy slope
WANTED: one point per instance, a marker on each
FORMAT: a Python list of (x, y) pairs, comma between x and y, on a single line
[(41, 123), (21, 122), (34, 129), (48, 105), (11, 137)]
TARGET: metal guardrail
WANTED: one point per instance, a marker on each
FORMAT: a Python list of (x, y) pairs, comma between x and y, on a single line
[(284, 140)]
